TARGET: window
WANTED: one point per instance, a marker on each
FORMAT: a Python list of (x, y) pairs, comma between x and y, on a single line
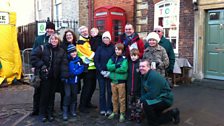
[(57, 12), (116, 30), (38, 5), (167, 15)]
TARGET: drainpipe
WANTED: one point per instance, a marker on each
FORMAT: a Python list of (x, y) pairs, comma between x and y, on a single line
[(52, 10)]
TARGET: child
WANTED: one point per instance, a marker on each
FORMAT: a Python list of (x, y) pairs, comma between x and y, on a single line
[(118, 66), (134, 87), (75, 69)]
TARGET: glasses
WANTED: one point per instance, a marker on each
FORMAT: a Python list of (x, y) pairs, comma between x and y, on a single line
[(157, 31), (106, 37), (127, 29)]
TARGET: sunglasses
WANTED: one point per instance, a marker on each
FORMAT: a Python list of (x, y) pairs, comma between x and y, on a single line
[(157, 31)]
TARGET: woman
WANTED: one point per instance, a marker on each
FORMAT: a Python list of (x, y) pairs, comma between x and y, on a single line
[(69, 37), (156, 53), (102, 55), (52, 64)]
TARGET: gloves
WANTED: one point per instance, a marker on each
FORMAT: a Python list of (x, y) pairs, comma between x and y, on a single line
[(103, 72), (86, 61), (64, 80), (118, 65), (107, 74)]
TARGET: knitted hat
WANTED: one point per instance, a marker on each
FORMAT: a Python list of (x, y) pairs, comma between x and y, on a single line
[(160, 28), (106, 34), (153, 35), (50, 25), (71, 48)]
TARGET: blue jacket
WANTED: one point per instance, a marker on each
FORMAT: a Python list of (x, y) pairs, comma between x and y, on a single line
[(76, 67)]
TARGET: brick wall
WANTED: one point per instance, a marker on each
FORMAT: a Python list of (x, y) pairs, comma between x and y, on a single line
[(83, 12), (186, 30), (127, 5)]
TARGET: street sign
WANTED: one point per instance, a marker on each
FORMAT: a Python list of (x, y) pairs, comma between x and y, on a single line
[(41, 28)]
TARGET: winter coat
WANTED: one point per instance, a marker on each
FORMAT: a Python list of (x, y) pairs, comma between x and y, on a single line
[(41, 40), (76, 68), (85, 53), (118, 67), (95, 42), (155, 89), (54, 59), (134, 79), (128, 42), (102, 55), (165, 43), (157, 54)]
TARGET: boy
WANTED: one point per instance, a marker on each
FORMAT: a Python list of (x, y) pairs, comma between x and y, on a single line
[(118, 66), (134, 87), (75, 69)]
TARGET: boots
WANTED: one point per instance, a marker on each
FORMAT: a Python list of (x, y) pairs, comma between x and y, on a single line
[(65, 113), (73, 110)]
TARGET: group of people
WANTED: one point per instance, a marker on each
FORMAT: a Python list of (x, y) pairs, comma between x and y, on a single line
[(131, 74)]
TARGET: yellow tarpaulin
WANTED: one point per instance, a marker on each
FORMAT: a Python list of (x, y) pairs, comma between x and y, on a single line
[(9, 50)]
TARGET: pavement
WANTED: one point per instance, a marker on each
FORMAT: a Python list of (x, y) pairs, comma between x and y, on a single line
[(200, 103)]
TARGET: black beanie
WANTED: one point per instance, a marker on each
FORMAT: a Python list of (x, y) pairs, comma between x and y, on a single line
[(50, 25)]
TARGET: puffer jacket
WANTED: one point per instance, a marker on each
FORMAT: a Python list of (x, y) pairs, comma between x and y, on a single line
[(76, 67), (55, 59)]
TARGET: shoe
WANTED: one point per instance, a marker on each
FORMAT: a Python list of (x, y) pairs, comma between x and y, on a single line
[(102, 113), (111, 116), (73, 110), (108, 113), (34, 113), (122, 118), (90, 105), (65, 113), (50, 118), (43, 118), (176, 115)]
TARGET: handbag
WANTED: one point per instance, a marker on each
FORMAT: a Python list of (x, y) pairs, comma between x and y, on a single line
[(35, 81)]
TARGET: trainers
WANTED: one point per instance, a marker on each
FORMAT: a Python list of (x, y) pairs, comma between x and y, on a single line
[(176, 115), (108, 113), (111, 116), (102, 112), (122, 118)]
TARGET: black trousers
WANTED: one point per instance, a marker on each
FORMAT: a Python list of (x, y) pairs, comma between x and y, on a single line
[(155, 113), (47, 95), (36, 99), (88, 88)]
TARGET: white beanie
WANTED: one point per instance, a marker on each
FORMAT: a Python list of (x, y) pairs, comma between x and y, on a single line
[(153, 35), (106, 34)]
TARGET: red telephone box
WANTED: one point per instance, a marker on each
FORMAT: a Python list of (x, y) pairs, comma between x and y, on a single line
[(112, 19)]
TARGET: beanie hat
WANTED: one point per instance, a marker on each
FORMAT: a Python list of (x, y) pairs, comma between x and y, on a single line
[(106, 34), (71, 48), (160, 28), (50, 25), (153, 35)]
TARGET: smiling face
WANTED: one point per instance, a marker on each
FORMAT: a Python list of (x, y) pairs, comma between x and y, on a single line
[(84, 32), (144, 67), (49, 31), (69, 37), (73, 54), (106, 40), (134, 57), (129, 30), (152, 42), (54, 40)]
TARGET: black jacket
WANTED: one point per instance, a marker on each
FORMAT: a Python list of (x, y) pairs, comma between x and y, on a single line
[(54, 59)]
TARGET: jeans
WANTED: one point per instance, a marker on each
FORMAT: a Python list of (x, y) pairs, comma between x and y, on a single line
[(70, 94), (105, 94)]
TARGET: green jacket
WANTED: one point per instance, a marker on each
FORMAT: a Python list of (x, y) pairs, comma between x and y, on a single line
[(41, 40), (165, 43), (155, 89), (118, 67)]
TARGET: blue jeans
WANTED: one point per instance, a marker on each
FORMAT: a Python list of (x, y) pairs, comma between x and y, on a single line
[(105, 88), (70, 94)]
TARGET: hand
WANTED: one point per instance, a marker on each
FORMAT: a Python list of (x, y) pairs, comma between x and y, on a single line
[(86, 61), (107, 74), (118, 65), (103, 72), (44, 69)]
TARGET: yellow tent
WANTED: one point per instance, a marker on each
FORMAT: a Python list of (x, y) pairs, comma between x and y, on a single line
[(10, 57)]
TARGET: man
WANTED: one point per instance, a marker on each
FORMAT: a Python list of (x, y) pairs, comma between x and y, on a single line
[(41, 40), (131, 40), (89, 77), (156, 97), (165, 43)]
